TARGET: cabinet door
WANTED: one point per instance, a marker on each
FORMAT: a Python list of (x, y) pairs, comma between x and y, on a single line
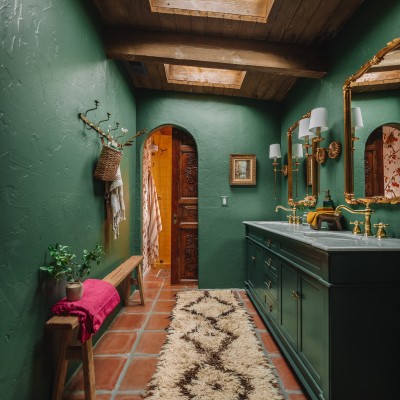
[(288, 303), (313, 327), (255, 269)]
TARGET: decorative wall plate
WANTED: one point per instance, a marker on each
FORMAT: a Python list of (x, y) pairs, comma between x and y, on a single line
[(334, 150)]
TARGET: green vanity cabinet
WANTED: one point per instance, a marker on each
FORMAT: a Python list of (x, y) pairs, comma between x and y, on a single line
[(332, 310)]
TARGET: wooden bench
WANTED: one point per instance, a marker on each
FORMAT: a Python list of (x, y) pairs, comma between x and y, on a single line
[(67, 326)]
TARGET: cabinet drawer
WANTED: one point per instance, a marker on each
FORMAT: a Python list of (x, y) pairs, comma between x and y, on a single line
[(271, 307), (271, 285), (263, 238), (271, 263)]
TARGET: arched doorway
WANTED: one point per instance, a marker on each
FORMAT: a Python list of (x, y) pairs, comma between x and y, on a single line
[(173, 166)]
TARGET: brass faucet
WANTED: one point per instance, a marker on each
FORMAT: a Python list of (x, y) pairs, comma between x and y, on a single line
[(367, 215), (381, 233), (293, 219)]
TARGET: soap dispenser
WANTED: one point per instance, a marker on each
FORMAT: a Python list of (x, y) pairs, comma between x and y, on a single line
[(327, 202)]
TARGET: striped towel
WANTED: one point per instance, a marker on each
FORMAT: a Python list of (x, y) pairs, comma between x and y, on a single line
[(155, 224), (115, 197)]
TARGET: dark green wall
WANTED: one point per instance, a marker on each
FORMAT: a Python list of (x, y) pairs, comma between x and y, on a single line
[(221, 126), (52, 67), (374, 25)]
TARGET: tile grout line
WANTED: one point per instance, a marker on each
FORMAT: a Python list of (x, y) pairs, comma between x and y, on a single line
[(131, 355)]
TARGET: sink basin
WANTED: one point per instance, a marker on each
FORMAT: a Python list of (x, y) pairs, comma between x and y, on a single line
[(332, 235)]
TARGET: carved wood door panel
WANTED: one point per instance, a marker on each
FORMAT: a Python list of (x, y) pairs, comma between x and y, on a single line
[(184, 239)]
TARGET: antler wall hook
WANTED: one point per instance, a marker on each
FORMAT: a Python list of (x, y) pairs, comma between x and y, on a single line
[(104, 120), (96, 103)]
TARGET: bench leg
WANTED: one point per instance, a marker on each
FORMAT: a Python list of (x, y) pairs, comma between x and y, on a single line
[(88, 370), (140, 282), (62, 364)]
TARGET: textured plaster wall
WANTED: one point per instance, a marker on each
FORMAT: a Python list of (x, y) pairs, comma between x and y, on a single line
[(220, 127), (52, 67), (368, 31)]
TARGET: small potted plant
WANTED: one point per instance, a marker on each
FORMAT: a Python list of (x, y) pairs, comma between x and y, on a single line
[(64, 266)]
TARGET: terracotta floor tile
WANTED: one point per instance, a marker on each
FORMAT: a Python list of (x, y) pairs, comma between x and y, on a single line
[(136, 307), (269, 343), (164, 306), (149, 294), (107, 371), (193, 285), (138, 374), (128, 397), (81, 396), (152, 285), (168, 294), (151, 342), (249, 307), (285, 374), (128, 322), (157, 322), (297, 397), (115, 343), (258, 322)]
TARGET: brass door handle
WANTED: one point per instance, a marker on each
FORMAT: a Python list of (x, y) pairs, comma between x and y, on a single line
[(269, 284), (253, 258), (175, 219), (269, 262)]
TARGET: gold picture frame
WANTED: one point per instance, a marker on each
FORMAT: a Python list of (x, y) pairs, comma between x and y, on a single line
[(242, 169)]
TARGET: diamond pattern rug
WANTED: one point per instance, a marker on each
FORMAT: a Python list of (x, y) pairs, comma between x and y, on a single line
[(212, 353)]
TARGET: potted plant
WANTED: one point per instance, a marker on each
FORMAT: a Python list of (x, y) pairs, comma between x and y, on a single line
[(64, 266)]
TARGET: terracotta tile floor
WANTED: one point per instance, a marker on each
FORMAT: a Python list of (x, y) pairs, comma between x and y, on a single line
[(125, 357)]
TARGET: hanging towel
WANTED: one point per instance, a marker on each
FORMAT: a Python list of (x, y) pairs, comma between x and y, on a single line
[(98, 300), (115, 201), (155, 224)]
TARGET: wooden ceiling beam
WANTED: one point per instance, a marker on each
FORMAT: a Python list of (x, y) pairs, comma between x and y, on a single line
[(214, 52)]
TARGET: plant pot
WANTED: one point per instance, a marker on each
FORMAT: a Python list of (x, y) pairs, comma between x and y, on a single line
[(74, 291)]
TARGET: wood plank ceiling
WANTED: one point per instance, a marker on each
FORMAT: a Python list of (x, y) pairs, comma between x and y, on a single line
[(273, 54)]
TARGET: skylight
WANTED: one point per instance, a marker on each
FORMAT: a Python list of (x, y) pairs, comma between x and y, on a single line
[(246, 10), (200, 76)]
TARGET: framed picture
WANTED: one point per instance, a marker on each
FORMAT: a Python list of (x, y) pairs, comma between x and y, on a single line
[(242, 169)]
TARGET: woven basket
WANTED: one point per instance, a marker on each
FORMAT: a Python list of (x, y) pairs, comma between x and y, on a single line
[(108, 163)]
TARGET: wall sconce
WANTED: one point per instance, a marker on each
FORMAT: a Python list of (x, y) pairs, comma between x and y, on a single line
[(318, 122), (356, 123), (275, 153), (305, 134)]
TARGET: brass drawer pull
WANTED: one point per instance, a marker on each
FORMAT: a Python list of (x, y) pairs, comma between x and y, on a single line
[(268, 242), (295, 295), (253, 258), (270, 308), (269, 262), (269, 284)]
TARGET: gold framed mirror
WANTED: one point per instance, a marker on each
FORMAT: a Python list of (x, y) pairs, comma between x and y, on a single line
[(382, 72), (302, 169)]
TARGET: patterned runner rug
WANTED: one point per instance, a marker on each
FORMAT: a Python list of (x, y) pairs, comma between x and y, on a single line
[(212, 353)]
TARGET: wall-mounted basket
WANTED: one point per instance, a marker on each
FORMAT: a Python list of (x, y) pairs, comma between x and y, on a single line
[(108, 163)]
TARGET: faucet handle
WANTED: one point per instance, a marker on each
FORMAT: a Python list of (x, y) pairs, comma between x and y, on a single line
[(356, 229), (381, 233)]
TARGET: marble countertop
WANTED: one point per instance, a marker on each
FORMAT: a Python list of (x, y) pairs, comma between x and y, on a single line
[(327, 240)]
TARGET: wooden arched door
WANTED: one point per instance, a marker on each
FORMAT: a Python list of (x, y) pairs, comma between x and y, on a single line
[(184, 232)]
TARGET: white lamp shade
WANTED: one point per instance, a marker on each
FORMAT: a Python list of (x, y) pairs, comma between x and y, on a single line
[(297, 150), (319, 119), (304, 128), (356, 118), (275, 150)]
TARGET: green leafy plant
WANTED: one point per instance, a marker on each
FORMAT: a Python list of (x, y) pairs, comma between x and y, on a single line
[(63, 264)]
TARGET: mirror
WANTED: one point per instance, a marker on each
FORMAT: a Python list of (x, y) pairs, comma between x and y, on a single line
[(302, 166), (380, 73)]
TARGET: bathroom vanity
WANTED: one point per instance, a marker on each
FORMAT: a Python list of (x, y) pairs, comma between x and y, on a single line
[(331, 300)]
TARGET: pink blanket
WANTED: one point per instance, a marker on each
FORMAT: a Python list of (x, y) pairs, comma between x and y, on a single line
[(98, 300)]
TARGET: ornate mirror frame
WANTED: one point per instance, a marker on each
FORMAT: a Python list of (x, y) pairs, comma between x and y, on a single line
[(348, 137), (312, 169)]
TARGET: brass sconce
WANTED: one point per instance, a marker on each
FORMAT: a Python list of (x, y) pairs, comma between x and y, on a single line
[(275, 153), (318, 124), (356, 123)]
